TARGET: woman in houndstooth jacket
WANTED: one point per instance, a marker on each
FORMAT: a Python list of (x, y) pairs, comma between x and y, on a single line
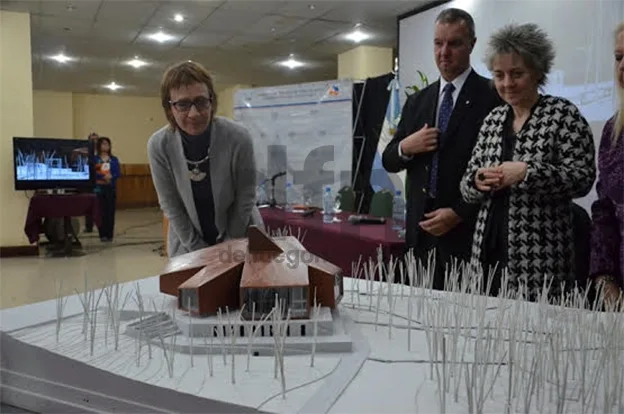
[(534, 155)]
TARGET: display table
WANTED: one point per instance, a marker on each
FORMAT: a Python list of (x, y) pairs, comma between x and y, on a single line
[(412, 350), (64, 206), (341, 243)]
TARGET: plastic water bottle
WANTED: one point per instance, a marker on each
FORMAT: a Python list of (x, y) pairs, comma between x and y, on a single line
[(398, 212), (261, 197), (328, 206), (288, 206)]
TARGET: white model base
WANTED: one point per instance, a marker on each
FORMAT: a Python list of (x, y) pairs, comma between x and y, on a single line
[(412, 350)]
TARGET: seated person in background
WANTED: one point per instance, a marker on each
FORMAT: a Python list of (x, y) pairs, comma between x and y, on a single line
[(202, 165), (534, 155), (107, 171), (607, 239)]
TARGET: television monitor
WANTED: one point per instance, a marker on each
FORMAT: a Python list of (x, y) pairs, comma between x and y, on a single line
[(52, 163)]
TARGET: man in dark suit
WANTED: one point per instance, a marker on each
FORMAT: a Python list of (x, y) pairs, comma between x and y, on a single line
[(434, 141)]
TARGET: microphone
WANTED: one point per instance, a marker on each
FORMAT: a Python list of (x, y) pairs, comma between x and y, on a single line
[(273, 202), (279, 174), (353, 219)]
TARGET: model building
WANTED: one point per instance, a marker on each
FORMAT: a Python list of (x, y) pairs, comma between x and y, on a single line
[(252, 271)]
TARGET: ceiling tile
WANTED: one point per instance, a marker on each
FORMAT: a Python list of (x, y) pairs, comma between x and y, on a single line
[(233, 39), (275, 25), (306, 9), (60, 26), (138, 12), (257, 6), (228, 21), (81, 9), (123, 32), (248, 40), (317, 30), (194, 13), (205, 39), (143, 38), (372, 12), (22, 6)]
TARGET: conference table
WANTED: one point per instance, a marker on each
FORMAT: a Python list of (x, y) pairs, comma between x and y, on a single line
[(340, 242)]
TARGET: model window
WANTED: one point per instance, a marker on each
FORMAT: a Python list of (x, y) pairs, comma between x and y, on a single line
[(338, 287), (187, 295), (299, 302)]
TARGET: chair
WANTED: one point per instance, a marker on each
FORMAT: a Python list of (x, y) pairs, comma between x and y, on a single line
[(381, 204), (347, 199)]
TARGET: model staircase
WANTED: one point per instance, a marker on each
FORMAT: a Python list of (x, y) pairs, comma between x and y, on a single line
[(153, 326)]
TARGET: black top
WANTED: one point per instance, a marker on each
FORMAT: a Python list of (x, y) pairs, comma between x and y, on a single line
[(195, 149), (494, 252), (495, 241)]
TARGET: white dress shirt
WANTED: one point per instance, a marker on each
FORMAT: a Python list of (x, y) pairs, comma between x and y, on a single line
[(458, 82)]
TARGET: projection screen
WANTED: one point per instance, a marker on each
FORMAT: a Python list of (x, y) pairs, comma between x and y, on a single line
[(583, 33)]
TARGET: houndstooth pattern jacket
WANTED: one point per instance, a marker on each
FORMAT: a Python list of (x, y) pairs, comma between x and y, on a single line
[(557, 145)]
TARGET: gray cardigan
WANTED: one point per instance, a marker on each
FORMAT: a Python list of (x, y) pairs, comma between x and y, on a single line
[(232, 176)]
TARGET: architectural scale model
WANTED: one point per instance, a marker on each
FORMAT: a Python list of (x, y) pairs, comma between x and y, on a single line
[(388, 347), (253, 272)]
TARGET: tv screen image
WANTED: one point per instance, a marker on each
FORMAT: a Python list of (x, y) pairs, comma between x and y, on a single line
[(48, 163)]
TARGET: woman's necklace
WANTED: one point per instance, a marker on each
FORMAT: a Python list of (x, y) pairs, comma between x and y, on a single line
[(195, 174)]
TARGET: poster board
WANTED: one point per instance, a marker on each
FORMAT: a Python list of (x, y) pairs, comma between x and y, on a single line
[(305, 130)]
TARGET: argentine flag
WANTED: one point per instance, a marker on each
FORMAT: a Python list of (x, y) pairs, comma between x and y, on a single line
[(380, 178)]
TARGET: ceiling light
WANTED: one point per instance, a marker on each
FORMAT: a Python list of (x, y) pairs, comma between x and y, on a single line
[(61, 58), (178, 18), (291, 63), (160, 36), (311, 6), (136, 62), (113, 86), (357, 36)]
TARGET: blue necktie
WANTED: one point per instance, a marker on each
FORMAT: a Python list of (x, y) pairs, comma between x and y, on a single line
[(446, 108)]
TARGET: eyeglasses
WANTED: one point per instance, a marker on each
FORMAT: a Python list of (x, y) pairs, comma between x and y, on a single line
[(201, 104)]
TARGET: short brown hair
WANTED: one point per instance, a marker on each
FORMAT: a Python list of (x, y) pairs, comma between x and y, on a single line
[(184, 74)]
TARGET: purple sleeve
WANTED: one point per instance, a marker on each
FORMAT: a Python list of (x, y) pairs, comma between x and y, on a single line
[(605, 237)]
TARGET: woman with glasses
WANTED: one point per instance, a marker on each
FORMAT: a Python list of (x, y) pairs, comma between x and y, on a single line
[(202, 165)]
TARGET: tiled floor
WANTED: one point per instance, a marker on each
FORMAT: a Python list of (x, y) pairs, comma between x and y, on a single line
[(134, 254)]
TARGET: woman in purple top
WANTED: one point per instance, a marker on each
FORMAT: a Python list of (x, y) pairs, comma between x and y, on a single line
[(607, 239)]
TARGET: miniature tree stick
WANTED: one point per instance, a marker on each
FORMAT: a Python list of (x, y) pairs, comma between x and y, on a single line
[(221, 334), (379, 293), (317, 311), (277, 317), (94, 320), (86, 305), (139, 302), (209, 353), (251, 333), (233, 344), (410, 305), (60, 306), (190, 328), (392, 305), (283, 335)]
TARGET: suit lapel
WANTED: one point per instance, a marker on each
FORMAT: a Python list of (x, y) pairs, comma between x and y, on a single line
[(431, 100), (462, 106)]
